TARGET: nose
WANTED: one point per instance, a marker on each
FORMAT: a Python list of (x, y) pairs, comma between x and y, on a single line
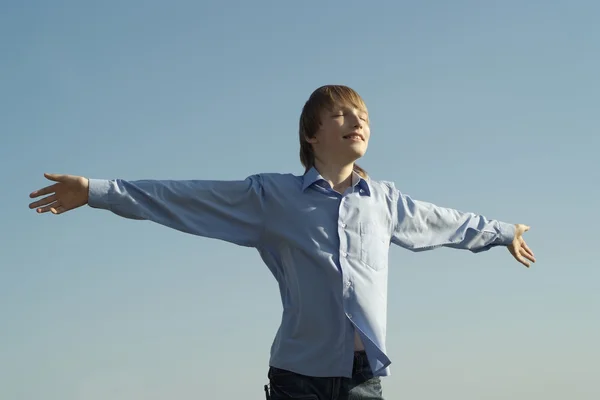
[(356, 121)]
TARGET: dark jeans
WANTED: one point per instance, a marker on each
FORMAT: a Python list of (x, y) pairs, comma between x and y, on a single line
[(286, 385)]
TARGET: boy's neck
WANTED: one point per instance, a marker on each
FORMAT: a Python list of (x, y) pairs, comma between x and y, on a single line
[(338, 176)]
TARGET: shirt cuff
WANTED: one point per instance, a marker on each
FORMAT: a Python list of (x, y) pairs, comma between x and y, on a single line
[(99, 193), (506, 233)]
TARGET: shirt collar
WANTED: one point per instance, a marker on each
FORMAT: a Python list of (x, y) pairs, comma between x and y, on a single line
[(313, 176)]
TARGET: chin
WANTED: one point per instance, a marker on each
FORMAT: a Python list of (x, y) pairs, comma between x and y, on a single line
[(355, 155), (359, 151)]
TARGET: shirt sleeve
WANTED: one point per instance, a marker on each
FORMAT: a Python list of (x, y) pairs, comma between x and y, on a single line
[(423, 226), (232, 211)]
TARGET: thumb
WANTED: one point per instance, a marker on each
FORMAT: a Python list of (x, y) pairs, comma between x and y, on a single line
[(523, 228), (55, 177)]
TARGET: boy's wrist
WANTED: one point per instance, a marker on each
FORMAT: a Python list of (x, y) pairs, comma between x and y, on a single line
[(507, 233), (98, 193)]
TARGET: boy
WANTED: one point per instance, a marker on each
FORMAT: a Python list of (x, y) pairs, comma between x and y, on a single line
[(324, 235)]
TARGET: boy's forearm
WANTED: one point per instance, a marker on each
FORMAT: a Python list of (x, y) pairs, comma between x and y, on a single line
[(228, 210), (423, 226), (481, 234)]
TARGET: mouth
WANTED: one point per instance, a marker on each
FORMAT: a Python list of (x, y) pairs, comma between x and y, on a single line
[(354, 136)]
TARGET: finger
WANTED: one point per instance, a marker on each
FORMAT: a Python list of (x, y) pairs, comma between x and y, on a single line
[(526, 255), (55, 177), (43, 202), (57, 210), (527, 249), (522, 260), (43, 191), (516, 253), (45, 209)]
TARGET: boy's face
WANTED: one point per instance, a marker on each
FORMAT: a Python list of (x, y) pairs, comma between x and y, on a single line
[(343, 136)]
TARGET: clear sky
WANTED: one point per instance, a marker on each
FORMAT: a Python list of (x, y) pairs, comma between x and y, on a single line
[(484, 106)]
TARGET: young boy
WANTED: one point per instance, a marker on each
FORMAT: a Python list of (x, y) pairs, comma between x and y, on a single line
[(324, 235)]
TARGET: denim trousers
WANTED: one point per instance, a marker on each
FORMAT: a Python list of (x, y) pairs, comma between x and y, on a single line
[(286, 385)]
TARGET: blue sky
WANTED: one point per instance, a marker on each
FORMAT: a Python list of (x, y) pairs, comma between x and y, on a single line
[(483, 106)]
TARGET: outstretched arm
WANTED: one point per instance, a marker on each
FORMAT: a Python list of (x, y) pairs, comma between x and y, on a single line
[(423, 226), (228, 210)]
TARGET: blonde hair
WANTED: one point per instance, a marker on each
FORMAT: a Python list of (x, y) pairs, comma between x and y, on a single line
[(325, 97)]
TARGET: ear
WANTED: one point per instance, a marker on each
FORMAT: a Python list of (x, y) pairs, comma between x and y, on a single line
[(311, 140)]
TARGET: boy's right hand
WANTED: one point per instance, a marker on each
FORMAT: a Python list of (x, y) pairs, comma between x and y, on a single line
[(67, 193)]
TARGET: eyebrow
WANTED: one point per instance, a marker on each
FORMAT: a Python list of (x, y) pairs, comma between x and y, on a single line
[(337, 108)]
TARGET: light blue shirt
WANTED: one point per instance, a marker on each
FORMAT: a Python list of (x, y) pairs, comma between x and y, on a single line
[(327, 251)]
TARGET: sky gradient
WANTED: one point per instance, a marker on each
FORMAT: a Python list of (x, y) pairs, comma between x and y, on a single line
[(483, 106)]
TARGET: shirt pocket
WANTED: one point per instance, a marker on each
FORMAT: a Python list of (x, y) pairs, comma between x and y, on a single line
[(374, 245)]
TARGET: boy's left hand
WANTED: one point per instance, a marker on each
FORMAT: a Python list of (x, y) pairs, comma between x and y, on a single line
[(519, 249)]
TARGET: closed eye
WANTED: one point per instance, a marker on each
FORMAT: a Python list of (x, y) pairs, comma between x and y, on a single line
[(362, 118)]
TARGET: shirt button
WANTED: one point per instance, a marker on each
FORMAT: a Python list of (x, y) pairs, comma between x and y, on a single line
[(344, 254), (348, 284), (343, 225)]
